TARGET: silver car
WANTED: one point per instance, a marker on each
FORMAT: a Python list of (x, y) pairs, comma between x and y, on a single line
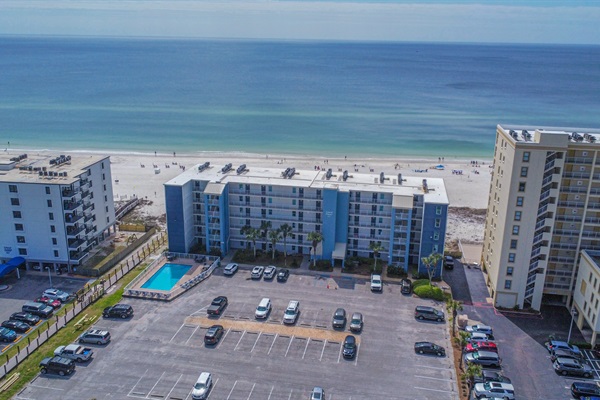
[(568, 366), (257, 272), (483, 358), (230, 269), (493, 390), (317, 393)]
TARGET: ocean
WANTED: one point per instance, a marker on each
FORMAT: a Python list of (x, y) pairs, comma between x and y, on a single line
[(305, 98)]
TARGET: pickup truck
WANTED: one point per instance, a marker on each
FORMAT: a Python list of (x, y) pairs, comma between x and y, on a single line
[(376, 285), (217, 306), (74, 352)]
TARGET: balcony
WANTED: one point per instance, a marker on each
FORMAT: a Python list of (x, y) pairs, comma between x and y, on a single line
[(578, 175), (87, 217), (579, 160), (73, 218), (87, 205), (77, 256), (72, 205), (85, 193), (89, 228), (74, 230), (76, 243), (69, 192)]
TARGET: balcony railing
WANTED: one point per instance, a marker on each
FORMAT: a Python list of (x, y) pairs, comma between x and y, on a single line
[(73, 218), (72, 205), (73, 231), (75, 244), (69, 192)]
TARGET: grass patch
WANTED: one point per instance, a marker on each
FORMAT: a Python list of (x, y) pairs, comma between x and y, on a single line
[(420, 282), (30, 367), (429, 292)]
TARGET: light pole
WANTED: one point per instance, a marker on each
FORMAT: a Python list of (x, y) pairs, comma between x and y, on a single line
[(573, 315), (50, 276)]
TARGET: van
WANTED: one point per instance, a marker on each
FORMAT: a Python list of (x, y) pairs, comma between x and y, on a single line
[(263, 309), (202, 387), (96, 336), (430, 313), (39, 309)]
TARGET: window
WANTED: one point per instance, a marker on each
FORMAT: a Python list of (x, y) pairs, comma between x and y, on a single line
[(18, 227), (381, 220), (515, 230), (12, 188), (16, 214), (241, 197), (438, 222), (105, 198), (270, 212), (56, 253), (293, 213), (104, 187), (22, 252), (104, 178), (520, 201), (107, 220), (524, 171), (513, 244), (14, 201), (521, 186), (526, 155), (509, 271), (241, 186), (54, 241), (51, 216), (271, 200), (380, 208), (294, 190), (47, 189), (52, 228), (507, 284), (438, 210), (511, 257), (436, 236), (293, 202), (270, 188), (517, 215), (20, 239), (49, 203)]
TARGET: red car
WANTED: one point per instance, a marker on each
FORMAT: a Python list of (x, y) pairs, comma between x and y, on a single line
[(476, 346), (50, 302)]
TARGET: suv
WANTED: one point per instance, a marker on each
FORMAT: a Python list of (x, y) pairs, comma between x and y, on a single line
[(557, 344), (118, 311), (257, 272), (568, 366), (376, 284), (263, 309), (291, 312), (494, 390), (317, 393), (490, 376), (579, 389), (405, 286), (7, 335), (449, 262), (270, 272), (39, 309), (56, 294), (96, 336), (213, 334), (202, 387), (57, 365), (29, 319), (230, 269), (339, 318), (356, 322), (430, 313), (481, 329), (483, 358), (564, 354)]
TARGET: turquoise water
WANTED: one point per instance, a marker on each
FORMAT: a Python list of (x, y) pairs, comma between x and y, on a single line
[(166, 277)]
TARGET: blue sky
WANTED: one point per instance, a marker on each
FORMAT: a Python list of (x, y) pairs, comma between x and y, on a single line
[(490, 21)]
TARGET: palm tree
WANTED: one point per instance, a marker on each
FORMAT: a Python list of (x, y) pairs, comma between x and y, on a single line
[(316, 238), (274, 236), (252, 234), (285, 230), (431, 262), (453, 307), (470, 373), (461, 341), (376, 247), (265, 226)]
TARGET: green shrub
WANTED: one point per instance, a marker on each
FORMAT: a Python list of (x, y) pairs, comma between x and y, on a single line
[(420, 282), (429, 292), (396, 271), (321, 265)]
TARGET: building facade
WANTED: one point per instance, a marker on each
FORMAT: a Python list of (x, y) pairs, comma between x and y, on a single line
[(210, 206), (543, 209), (54, 210), (586, 297)]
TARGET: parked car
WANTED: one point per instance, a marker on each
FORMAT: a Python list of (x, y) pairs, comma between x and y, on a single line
[(28, 318), (579, 389), (449, 262), (339, 318), (565, 354), (16, 326), (257, 272), (491, 376), (57, 365), (56, 294), (568, 366), (291, 312), (558, 344), (7, 335), (349, 349), (429, 348), (405, 286), (356, 322), (230, 269), (214, 334), (270, 272), (54, 303), (75, 352), (39, 309), (478, 337), (202, 386), (481, 329), (96, 336), (429, 313), (376, 283), (483, 358), (283, 275), (476, 346), (494, 389), (317, 393), (217, 306), (263, 309), (118, 311)]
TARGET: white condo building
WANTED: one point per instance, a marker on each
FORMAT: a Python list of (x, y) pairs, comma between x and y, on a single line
[(543, 211), (53, 210)]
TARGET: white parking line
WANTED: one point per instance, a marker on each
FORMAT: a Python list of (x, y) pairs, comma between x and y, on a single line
[(186, 342), (138, 381), (323, 351), (173, 388), (340, 354), (200, 310), (427, 366), (211, 390), (161, 375), (433, 390), (305, 348), (231, 391), (436, 379), (290, 396), (43, 387), (223, 338), (271, 392), (274, 339), (356, 355), (289, 345), (180, 328), (239, 341), (259, 333), (251, 390)]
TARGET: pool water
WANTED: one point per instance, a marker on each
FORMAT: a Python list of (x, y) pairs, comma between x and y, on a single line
[(166, 277)]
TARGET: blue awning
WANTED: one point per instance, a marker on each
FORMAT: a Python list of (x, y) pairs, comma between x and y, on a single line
[(11, 265)]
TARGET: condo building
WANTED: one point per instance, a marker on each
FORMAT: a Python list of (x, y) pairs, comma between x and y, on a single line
[(543, 211), (54, 210), (209, 207)]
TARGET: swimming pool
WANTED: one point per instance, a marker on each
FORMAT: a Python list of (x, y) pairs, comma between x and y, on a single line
[(166, 277)]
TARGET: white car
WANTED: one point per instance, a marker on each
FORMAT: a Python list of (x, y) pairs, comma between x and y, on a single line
[(270, 272), (257, 272), (376, 284), (478, 337), (291, 312), (230, 269), (202, 386), (480, 328), (494, 389), (56, 294)]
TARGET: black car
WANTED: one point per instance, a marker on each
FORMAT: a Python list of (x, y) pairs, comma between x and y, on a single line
[(213, 334), (579, 389), (118, 311), (217, 306), (57, 365), (283, 275), (16, 326), (405, 286), (429, 348), (339, 318), (29, 319), (349, 347), (491, 376)]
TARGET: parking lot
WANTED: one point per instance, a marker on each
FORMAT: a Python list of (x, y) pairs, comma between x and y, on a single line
[(160, 352)]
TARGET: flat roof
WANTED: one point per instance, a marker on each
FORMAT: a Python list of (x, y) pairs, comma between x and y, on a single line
[(27, 169), (410, 186), (523, 133)]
